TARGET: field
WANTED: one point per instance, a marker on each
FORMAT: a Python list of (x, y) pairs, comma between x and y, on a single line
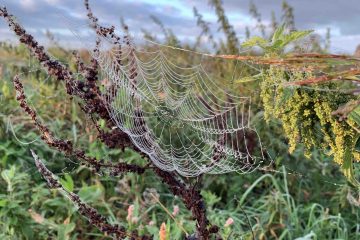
[(69, 157)]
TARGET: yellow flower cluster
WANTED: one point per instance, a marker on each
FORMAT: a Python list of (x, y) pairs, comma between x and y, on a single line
[(305, 113)]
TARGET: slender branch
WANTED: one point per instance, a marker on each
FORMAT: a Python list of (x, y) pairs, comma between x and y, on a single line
[(326, 78), (289, 60), (344, 110), (66, 146), (190, 196), (325, 56), (94, 105), (90, 213)]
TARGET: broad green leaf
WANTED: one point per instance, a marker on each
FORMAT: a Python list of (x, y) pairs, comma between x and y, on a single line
[(294, 36), (5, 90), (64, 230), (347, 166), (255, 41), (168, 229), (279, 40), (278, 33), (67, 183), (90, 193), (8, 176), (278, 44), (3, 202), (27, 231), (355, 115)]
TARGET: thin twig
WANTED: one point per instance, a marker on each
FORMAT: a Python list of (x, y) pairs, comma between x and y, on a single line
[(168, 212)]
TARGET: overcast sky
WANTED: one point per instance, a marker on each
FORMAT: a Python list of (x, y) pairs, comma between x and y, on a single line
[(342, 16)]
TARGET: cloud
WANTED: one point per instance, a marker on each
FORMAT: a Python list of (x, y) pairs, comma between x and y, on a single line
[(28, 4), (59, 16), (52, 2)]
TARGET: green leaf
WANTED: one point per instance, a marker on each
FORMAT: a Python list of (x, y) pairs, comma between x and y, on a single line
[(294, 36), (90, 193), (355, 115), (278, 33), (8, 176), (277, 45), (279, 40), (168, 229), (27, 231), (3, 202), (5, 90), (211, 198), (67, 183), (347, 166), (255, 41), (64, 230)]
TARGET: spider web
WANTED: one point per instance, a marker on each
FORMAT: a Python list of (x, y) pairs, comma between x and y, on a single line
[(179, 107)]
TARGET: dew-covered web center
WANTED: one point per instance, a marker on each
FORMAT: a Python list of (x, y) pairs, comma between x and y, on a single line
[(188, 112)]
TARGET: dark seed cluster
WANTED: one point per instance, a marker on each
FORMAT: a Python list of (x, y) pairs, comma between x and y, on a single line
[(96, 219), (66, 146), (93, 105)]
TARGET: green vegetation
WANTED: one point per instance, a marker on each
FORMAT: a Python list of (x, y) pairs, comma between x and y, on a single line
[(305, 194)]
